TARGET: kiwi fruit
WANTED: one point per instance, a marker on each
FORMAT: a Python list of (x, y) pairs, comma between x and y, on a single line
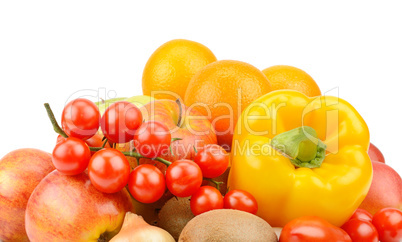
[(150, 211), (227, 225), (174, 215)]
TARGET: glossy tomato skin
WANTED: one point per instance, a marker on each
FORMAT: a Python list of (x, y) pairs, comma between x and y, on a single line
[(313, 229), (205, 199), (361, 230), (240, 200), (388, 222), (183, 178), (80, 119), (120, 121), (362, 214), (71, 156), (146, 183), (152, 139), (59, 138), (375, 154), (213, 160), (109, 170)]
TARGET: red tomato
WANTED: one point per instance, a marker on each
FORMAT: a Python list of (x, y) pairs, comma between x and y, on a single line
[(152, 139), (80, 119), (375, 154), (71, 156), (146, 183), (361, 230), (205, 199), (109, 170), (96, 141), (240, 200), (313, 229), (120, 121), (388, 222), (213, 160), (362, 214), (183, 178), (59, 138)]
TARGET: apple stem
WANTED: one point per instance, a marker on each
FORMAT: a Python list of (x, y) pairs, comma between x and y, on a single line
[(180, 112), (103, 237), (56, 126)]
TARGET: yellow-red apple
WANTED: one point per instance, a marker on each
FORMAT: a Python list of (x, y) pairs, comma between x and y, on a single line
[(20, 172), (375, 154), (385, 190), (70, 208)]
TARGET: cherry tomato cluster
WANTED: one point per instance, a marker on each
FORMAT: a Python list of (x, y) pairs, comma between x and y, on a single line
[(109, 169), (385, 225), (208, 198)]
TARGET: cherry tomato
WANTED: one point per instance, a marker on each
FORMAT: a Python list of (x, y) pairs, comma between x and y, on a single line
[(152, 139), (375, 154), (59, 138), (213, 160), (71, 156), (146, 183), (183, 178), (120, 121), (240, 200), (96, 141), (312, 228), (362, 214), (80, 119), (361, 230), (109, 170), (205, 199), (388, 222)]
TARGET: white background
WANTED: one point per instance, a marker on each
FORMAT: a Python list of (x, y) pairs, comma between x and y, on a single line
[(49, 50)]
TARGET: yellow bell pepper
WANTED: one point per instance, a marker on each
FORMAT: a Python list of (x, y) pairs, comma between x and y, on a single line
[(301, 156)]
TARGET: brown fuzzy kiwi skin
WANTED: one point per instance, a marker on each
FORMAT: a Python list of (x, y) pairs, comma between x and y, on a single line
[(149, 211), (174, 215), (227, 225)]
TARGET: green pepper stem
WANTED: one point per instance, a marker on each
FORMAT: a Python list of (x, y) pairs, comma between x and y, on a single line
[(301, 146)]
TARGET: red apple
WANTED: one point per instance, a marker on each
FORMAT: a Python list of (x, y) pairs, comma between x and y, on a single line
[(375, 154), (194, 130), (20, 172), (385, 190), (70, 208)]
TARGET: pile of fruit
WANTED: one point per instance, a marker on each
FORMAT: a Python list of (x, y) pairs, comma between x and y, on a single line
[(213, 151)]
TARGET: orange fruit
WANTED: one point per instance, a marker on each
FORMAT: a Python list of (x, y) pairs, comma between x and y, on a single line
[(289, 77), (171, 66), (222, 90)]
